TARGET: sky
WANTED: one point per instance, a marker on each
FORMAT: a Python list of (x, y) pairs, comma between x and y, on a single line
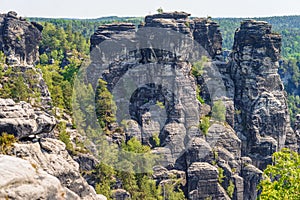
[(198, 8)]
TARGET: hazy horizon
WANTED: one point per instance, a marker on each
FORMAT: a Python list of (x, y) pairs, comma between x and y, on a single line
[(91, 9)]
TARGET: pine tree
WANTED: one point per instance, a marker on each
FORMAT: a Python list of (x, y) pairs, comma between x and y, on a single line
[(105, 106)]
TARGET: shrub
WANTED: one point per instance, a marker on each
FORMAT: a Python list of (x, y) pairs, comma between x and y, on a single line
[(197, 67), (230, 189), (221, 175), (6, 142), (204, 124), (65, 137), (219, 111)]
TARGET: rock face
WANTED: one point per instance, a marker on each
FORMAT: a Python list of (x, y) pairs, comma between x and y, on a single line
[(161, 96), (19, 39), (263, 119), (21, 179), (203, 182), (51, 156), (145, 62), (22, 120)]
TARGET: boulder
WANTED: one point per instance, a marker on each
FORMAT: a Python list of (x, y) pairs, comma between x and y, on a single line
[(22, 120), (51, 156), (203, 182), (21, 179)]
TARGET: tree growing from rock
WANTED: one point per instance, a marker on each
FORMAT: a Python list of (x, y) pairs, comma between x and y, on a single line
[(105, 105)]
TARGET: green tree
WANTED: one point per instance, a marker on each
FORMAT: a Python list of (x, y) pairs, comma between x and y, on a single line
[(172, 192), (160, 10), (219, 111), (204, 124), (282, 178), (105, 179), (105, 105)]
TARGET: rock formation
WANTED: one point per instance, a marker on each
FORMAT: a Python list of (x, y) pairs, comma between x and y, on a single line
[(51, 156), (21, 179), (19, 39), (44, 169), (263, 122), (149, 71), (158, 73), (22, 120), (257, 119)]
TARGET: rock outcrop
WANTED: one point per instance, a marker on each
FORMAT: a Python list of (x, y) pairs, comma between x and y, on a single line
[(19, 39), (51, 156), (161, 95), (262, 122), (21, 179), (257, 119), (203, 182), (23, 120)]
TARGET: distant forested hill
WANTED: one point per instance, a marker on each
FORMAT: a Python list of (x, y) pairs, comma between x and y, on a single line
[(87, 26)]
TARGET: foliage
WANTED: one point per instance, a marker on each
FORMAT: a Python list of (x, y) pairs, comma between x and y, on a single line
[(20, 86), (294, 106), (64, 136), (105, 105), (6, 142), (198, 96), (160, 104), (155, 139), (282, 179), (221, 175), (204, 124), (219, 111), (172, 192), (198, 67), (105, 179), (160, 10), (230, 189)]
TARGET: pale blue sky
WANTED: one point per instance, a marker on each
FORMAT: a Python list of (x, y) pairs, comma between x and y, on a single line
[(98, 8)]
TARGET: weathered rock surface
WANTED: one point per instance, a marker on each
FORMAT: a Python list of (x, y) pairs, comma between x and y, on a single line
[(19, 39), (51, 156), (22, 120), (252, 176), (257, 119), (262, 122), (203, 182), (21, 179)]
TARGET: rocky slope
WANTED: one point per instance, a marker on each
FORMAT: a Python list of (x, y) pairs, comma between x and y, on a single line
[(257, 119), (37, 166)]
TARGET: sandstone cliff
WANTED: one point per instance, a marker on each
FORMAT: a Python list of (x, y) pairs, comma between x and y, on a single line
[(149, 69), (257, 119)]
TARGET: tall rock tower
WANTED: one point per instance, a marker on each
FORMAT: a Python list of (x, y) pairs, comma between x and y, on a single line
[(262, 119)]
